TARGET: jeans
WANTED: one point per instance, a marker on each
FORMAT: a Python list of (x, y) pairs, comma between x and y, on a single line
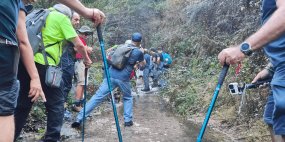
[(67, 66), (103, 91), (54, 104), (145, 78)]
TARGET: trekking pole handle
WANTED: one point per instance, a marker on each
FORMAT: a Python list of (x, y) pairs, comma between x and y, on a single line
[(257, 84), (100, 36), (223, 74)]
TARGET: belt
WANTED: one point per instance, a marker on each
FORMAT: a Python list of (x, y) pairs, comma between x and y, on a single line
[(6, 41)]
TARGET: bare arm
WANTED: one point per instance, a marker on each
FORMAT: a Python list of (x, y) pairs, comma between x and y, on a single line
[(27, 57), (87, 13), (271, 30), (82, 50), (158, 61)]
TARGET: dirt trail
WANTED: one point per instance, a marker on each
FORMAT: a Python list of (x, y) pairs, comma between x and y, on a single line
[(152, 123)]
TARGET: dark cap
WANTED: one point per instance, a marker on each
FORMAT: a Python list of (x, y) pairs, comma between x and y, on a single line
[(159, 48), (152, 49), (136, 37)]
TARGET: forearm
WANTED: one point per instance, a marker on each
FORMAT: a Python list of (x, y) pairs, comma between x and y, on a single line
[(270, 31), (76, 5), (28, 60), (82, 51)]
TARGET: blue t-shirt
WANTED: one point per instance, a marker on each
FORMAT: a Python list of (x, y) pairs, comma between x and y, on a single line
[(276, 49), (147, 60), (9, 13), (126, 72)]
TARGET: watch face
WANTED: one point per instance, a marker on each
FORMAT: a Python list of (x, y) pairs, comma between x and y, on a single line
[(245, 46)]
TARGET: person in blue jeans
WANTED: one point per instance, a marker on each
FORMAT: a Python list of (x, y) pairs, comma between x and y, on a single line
[(146, 71), (270, 36), (121, 79), (67, 62)]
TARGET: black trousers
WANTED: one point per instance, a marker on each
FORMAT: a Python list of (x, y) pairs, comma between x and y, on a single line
[(54, 104)]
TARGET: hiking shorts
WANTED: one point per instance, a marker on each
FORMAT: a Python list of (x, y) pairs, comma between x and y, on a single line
[(275, 109), (9, 85), (81, 73)]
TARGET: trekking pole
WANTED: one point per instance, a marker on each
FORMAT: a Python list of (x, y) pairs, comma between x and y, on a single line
[(220, 83), (85, 88), (100, 37)]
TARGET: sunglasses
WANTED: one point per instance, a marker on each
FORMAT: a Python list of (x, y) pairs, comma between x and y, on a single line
[(87, 34)]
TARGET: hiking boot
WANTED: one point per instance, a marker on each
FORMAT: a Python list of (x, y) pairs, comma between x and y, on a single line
[(145, 89), (82, 102), (76, 123), (129, 124)]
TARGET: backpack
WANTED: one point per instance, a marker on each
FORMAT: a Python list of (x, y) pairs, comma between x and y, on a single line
[(166, 58), (34, 24), (120, 56)]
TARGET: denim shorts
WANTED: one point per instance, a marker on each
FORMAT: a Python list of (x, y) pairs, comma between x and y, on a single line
[(9, 85)]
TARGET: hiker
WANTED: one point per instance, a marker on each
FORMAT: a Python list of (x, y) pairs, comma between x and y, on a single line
[(160, 67), (270, 36), (67, 62), (84, 32), (13, 39), (121, 79), (57, 28), (146, 71), (154, 68)]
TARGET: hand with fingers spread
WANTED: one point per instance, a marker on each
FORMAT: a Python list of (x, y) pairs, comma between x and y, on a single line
[(36, 90), (231, 56), (263, 75)]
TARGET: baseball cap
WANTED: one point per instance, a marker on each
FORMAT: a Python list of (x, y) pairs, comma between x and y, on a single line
[(152, 49), (136, 37), (159, 48)]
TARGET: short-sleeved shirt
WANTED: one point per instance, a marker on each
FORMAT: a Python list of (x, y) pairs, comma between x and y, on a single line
[(124, 74), (9, 14), (58, 27), (154, 56), (147, 60), (276, 49), (161, 56), (78, 56)]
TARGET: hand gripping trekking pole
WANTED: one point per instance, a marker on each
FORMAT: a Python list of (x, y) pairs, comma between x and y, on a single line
[(220, 83), (85, 88), (100, 37)]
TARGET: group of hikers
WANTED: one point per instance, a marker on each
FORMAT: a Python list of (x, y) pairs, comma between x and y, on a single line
[(26, 75)]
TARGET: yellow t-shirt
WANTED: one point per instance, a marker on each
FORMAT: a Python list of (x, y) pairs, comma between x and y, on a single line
[(58, 27)]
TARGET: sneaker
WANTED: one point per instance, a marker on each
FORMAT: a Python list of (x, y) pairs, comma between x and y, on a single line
[(76, 123), (153, 86), (129, 124), (145, 89)]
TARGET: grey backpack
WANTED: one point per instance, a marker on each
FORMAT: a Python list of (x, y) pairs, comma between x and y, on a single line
[(35, 21), (120, 56)]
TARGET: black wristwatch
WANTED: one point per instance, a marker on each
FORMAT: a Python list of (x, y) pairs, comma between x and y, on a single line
[(246, 49)]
